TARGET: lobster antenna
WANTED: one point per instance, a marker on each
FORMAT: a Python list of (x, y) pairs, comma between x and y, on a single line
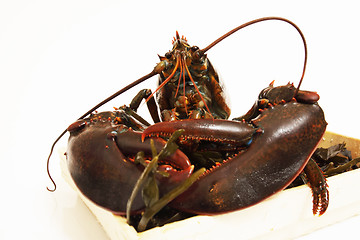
[(167, 79), (202, 51), (133, 84)]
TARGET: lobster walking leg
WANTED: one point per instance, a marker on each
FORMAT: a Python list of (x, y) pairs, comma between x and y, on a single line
[(144, 94), (318, 187), (275, 95)]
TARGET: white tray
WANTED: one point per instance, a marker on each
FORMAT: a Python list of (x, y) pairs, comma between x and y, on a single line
[(285, 215)]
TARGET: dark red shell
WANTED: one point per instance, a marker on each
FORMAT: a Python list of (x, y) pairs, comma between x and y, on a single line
[(275, 158), (97, 158), (277, 154)]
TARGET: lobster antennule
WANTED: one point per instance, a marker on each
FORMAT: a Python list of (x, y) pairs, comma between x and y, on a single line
[(167, 79), (181, 74), (197, 90)]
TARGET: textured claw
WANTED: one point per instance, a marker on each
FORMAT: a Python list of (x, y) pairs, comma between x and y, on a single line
[(130, 143), (274, 159), (237, 133), (98, 163)]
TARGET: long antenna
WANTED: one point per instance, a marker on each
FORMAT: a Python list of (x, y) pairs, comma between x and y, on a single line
[(202, 51)]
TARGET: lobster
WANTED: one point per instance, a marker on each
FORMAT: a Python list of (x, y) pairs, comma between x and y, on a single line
[(247, 159)]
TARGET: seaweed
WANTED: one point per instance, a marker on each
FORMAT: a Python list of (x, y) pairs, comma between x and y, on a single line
[(335, 160), (150, 190)]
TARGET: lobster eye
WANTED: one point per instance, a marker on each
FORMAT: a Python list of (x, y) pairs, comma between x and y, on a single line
[(168, 55), (194, 48), (197, 55)]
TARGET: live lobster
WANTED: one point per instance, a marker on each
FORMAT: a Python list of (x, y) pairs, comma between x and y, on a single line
[(248, 158)]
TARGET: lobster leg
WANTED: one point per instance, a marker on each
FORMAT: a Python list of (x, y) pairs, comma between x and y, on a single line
[(271, 96), (318, 187), (151, 104)]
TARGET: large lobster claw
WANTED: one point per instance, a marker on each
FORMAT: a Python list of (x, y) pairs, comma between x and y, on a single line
[(98, 160), (290, 134)]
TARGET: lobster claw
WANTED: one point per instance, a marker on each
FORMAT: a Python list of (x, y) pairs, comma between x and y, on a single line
[(289, 134), (237, 133), (98, 160)]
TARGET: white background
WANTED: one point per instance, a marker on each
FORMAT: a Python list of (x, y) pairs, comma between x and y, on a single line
[(60, 58)]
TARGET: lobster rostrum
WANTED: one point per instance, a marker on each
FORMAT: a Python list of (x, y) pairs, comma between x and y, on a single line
[(247, 159)]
